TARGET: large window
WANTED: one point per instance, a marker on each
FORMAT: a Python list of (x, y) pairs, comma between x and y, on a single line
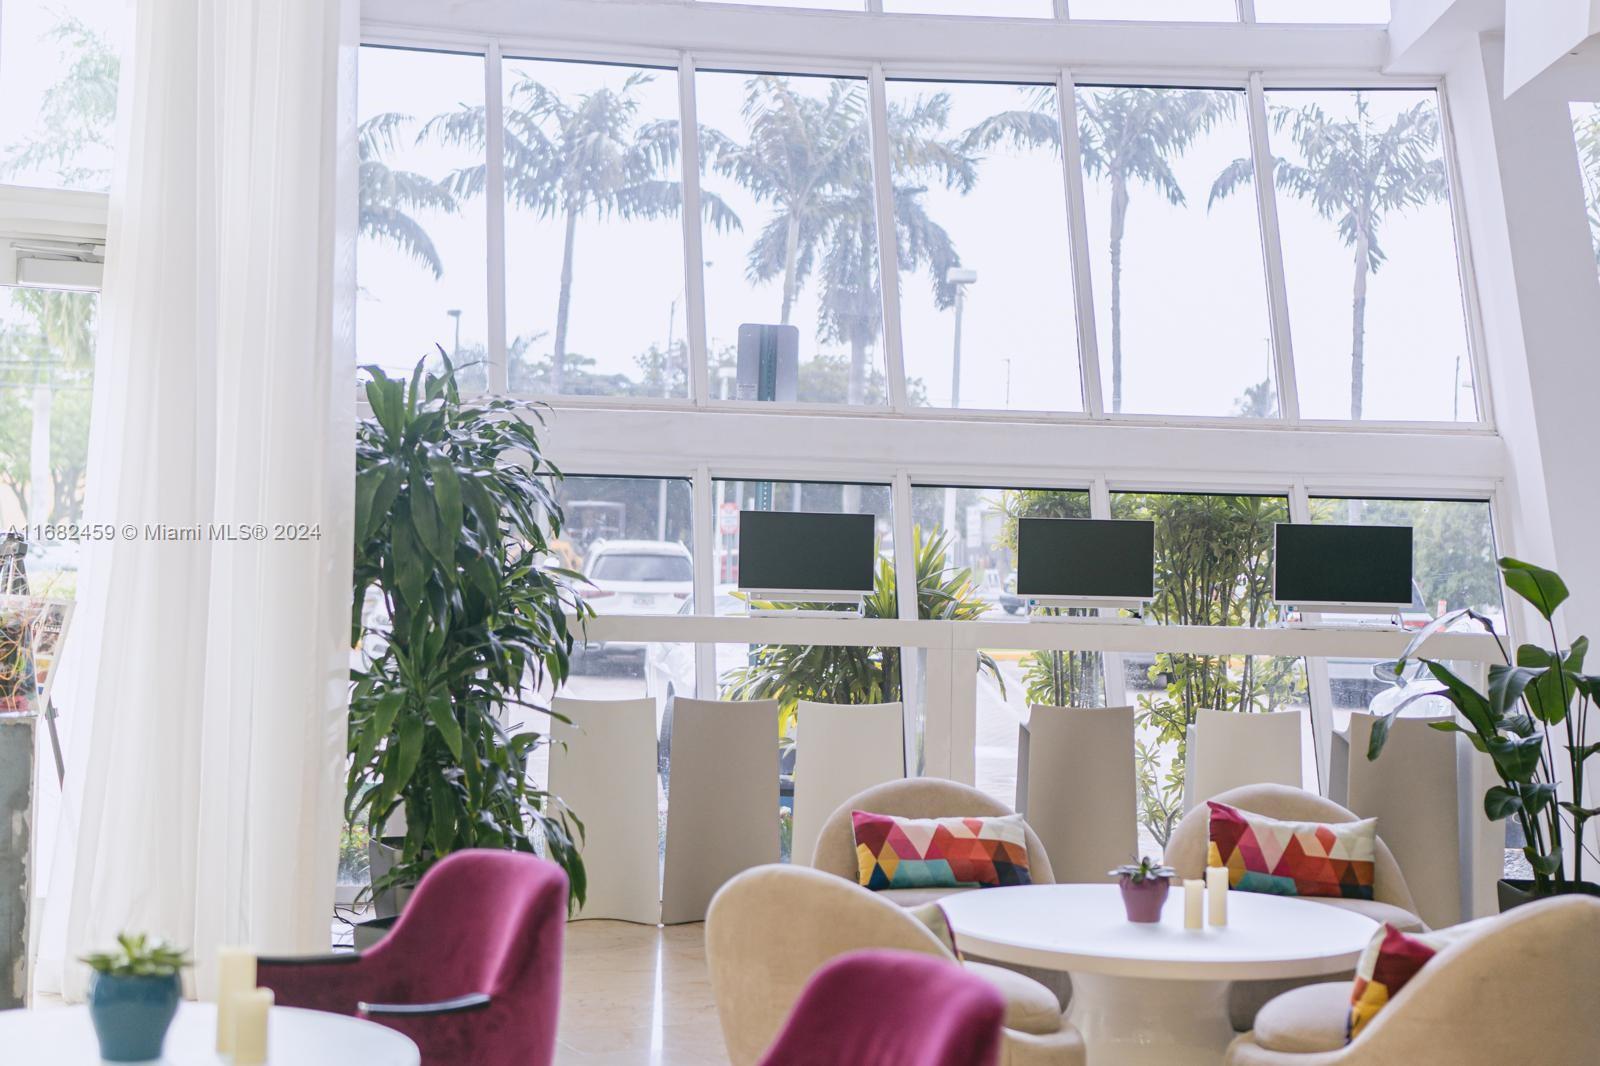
[(58, 80), (1180, 299), (421, 260), (1363, 11), (986, 277), (1155, 10), (790, 232), (594, 246), (46, 367), (731, 497), (1375, 300), (1453, 563), (1586, 128)]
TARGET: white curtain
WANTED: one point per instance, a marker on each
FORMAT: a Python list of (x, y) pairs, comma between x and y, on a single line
[(204, 683)]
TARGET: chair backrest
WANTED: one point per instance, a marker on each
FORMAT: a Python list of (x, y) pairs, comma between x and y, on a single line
[(603, 764), (1077, 787), (722, 803), (483, 920), (1229, 749), (894, 1007), (915, 797), (1412, 791), (769, 929), (1191, 838), (840, 750), (1522, 990)]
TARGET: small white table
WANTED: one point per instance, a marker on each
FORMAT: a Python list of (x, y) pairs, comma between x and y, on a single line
[(65, 1037), (1154, 993)]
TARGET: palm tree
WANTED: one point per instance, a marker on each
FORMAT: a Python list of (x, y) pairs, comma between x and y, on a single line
[(1126, 136), (572, 157), (811, 158), (1354, 174), (387, 196)]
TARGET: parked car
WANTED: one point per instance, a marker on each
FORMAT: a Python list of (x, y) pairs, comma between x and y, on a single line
[(1009, 600), (635, 577)]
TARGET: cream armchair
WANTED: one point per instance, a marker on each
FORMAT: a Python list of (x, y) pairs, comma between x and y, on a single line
[(1191, 839), (915, 797), (770, 928), (1521, 990)]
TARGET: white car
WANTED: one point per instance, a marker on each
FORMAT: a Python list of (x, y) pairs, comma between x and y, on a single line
[(636, 577)]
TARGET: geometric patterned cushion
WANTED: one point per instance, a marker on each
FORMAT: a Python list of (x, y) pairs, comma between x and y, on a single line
[(1391, 959), (1293, 858), (933, 916), (940, 852)]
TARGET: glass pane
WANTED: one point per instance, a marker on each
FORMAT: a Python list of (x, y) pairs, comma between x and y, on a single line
[(1039, 9), (1213, 568), (1454, 567), (1180, 297), (986, 285), (1155, 10), (829, 5), (816, 496), (1586, 127), (46, 373), (1009, 683), (594, 244), (58, 78), (422, 281), (791, 232), (1360, 11), (1370, 256), (632, 538)]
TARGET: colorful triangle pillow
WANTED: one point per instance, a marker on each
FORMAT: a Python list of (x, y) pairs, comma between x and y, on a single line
[(1293, 858), (1391, 960), (940, 852)]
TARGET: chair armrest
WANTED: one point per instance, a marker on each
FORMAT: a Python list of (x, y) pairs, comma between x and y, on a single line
[(470, 1001), (331, 959)]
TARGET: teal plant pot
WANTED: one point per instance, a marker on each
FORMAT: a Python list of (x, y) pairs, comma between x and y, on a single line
[(132, 1014)]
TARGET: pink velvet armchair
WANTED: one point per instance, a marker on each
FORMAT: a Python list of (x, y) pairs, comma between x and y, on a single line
[(471, 970)]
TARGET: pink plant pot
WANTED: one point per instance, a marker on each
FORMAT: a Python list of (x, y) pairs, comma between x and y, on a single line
[(1143, 900)]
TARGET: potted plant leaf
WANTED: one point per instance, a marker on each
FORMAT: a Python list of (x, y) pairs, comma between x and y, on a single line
[(1533, 719), (1144, 888), (457, 619), (133, 996)]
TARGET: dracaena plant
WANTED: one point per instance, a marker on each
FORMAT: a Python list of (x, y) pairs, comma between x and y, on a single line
[(454, 519), (1533, 719)]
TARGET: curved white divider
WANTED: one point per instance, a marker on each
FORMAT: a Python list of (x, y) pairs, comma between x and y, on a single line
[(1077, 788), (1228, 749), (840, 749)]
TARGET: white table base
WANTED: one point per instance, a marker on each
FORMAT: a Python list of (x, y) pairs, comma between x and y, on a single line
[(1135, 1021)]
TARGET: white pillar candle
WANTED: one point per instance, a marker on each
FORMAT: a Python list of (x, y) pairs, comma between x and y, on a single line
[(236, 975), (1194, 915), (1217, 894), (250, 1010)]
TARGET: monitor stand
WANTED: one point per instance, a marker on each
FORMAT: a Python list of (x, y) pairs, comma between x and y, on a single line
[(851, 600), (1135, 619)]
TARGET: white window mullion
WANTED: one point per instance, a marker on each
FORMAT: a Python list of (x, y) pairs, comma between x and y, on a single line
[(1247, 10), (1061, 11), (1094, 403), (914, 689), (694, 260), (888, 239), (1272, 252), (494, 192), (1111, 663), (1319, 689), (703, 533)]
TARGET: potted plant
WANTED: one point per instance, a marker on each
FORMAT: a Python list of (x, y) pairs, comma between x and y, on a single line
[(1533, 718), (1144, 887), (456, 616), (133, 995)]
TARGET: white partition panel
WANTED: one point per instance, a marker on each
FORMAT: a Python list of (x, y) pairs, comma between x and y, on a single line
[(1412, 790), (722, 800), (603, 764), (1077, 788), (840, 750), (1228, 749)]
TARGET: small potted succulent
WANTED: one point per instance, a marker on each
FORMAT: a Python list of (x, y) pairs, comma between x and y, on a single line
[(1144, 888), (133, 995)]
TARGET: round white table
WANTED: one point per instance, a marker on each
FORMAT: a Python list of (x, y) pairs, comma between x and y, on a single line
[(1154, 993), (64, 1036)]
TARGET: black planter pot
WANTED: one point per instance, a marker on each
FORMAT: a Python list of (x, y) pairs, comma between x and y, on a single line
[(1515, 892)]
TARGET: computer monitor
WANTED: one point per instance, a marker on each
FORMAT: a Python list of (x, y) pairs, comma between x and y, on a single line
[(1086, 562), (1350, 569), (806, 555)]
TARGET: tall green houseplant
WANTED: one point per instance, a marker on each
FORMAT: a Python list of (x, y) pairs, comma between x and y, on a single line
[(1532, 722), (454, 517)]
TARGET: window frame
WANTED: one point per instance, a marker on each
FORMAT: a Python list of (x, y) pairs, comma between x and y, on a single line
[(877, 55)]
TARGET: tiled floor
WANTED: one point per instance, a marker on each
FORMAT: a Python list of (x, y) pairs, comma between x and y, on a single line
[(637, 995)]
